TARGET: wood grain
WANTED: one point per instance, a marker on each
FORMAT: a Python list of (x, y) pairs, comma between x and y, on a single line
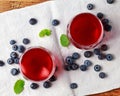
[(6, 5)]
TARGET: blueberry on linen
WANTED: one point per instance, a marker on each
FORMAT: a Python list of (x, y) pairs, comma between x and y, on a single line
[(73, 85), (101, 56), (16, 60), (75, 55), (105, 21), (97, 51), (15, 71), (90, 6), (100, 15), (74, 66), (104, 47), (33, 21), (55, 22), (13, 55), (47, 84), (97, 68), (34, 85), (1, 63), (69, 60), (67, 67), (14, 47), (110, 1), (21, 49), (10, 61), (83, 68), (88, 54), (102, 75), (87, 63), (12, 42), (53, 78), (26, 41), (107, 27), (109, 57)]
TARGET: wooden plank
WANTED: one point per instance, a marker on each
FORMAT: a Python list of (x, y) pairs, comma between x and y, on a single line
[(6, 5)]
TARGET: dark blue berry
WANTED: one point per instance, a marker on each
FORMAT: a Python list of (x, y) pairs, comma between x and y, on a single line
[(2, 63), (100, 15), (12, 42), (83, 68), (74, 66), (33, 21), (75, 55), (88, 54), (21, 49), (90, 6), (15, 47), (10, 61), (16, 60), (67, 67), (69, 60), (97, 68), (73, 85), (110, 1), (97, 51), (34, 85), (109, 57), (13, 55), (47, 84), (104, 47), (101, 56), (102, 75), (53, 78), (87, 63), (105, 21), (55, 22), (26, 41), (107, 27), (15, 71)]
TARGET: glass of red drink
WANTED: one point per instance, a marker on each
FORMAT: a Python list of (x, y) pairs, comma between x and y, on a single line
[(37, 64), (85, 31)]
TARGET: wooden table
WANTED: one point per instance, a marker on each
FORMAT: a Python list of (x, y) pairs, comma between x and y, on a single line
[(6, 5)]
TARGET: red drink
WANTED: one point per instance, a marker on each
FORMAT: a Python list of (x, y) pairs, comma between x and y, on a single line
[(37, 64), (85, 31)]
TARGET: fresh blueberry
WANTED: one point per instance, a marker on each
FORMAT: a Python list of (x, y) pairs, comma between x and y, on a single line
[(75, 55), (87, 63), (13, 55), (33, 21), (109, 57), (34, 85), (74, 66), (90, 6), (73, 85), (104, 47), (69, 60), (16, 60), (21, 49), (67, 67), (10, 61), (47, 84), (110, 1), (15, 47), (55, 22), (102, 75), (101, 56), (100, 15), (15, 71), (97, 51), (26, 41), (88, 54), (107, 27), (12, 42), (83, 68), (2, 63), (105, 21), (97, 68), (53, 78)]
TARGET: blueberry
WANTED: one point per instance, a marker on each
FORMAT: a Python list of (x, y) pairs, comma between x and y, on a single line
[(74, 66), (13, 55), (73, 85), (87, 63), (21, 49), (109, 57), (104, 47), (90, 6), (100, 15), (96, 51), (15, 47), (105, 21), (15, 71), (2, 63), (97, 68), (75, 55), (33, 21), (69, 60), (10, 61), (55, 22), (88, 54), (107, 27), (16, 60), (83, 68), (102, 75), (110, 1), (53, 78), (34, 85), (12, 42), (26, 41), (67, 67), (101, 56), (47, 84)]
